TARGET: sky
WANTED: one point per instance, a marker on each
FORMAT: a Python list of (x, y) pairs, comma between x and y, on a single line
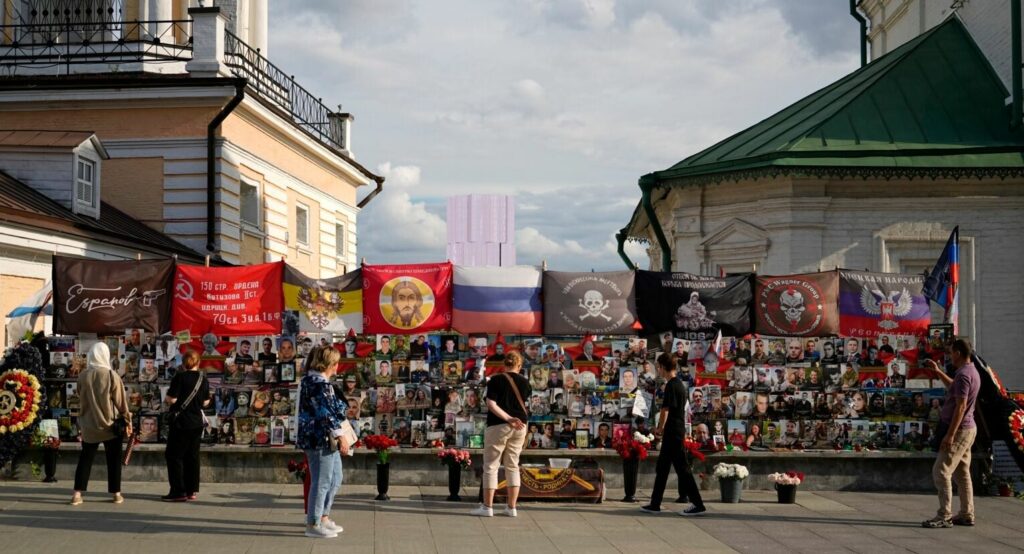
[(562, 103)]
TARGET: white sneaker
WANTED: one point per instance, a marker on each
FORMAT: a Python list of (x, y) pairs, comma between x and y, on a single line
[(320, 532), (482, 511), (331, 526), (510, 512)]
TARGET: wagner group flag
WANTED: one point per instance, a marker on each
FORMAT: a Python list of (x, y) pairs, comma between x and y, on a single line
[(332, 305), (872, 304), (602, 303), (497, 299), (405, 299)]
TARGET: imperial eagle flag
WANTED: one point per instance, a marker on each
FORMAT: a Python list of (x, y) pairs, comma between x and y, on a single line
[(602, 303), (104, 297), (694, 306), (332, 305), (406, 299), (797, 305), (872, 304)]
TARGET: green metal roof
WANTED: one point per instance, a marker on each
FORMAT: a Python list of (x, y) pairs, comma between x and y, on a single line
[(935, 102)]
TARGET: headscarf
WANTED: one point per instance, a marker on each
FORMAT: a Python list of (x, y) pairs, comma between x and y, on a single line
[(99, 357)]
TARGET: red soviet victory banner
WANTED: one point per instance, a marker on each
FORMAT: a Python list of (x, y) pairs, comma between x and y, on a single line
[(228, 301), (406, 299), (804, 305)]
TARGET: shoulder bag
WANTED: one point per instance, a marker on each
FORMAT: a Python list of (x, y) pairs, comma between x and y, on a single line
[(519, 397), (175, 415)]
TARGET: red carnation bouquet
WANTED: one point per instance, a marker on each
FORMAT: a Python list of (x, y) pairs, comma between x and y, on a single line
[(633, 448), (454, 457), (382, 444), (299, 468)]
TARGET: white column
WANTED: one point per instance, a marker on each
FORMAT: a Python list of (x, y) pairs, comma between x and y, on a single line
[(208, 26), (160, 10), (258, 25), (242, 29)]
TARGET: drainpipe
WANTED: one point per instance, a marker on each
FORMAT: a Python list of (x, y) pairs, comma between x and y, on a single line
[(1015, 64), (647, 184), (373, 193), (211, 177), (863, 32), (621, 238)]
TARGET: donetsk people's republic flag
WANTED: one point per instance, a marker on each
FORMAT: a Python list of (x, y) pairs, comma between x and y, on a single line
[(404, 299), (695, 307), (602, 303), (871, 304), (497, 299), (332, 305), (228, 301)]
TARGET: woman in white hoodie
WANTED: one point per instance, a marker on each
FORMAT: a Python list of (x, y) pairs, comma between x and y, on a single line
[(102, 402)]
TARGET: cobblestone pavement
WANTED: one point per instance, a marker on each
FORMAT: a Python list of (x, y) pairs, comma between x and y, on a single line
[(35, 517)]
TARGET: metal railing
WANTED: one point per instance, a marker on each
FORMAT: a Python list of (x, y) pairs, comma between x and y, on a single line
[(42, 45), (281, 90)]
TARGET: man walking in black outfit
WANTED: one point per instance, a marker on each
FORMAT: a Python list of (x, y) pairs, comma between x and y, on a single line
[(672, 429)]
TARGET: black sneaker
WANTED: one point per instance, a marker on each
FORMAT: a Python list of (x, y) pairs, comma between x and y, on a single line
[(693, 510), (174, 498), (651, 509)]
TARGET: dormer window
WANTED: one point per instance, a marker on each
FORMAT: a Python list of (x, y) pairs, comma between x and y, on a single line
[(85, 183)]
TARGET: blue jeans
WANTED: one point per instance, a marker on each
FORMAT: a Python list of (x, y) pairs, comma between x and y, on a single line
[(324, 482)]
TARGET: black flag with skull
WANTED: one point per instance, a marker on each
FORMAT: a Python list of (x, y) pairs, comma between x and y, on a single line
[(589, 303)]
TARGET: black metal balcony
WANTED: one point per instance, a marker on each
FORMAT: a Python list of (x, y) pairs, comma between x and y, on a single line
[(28, 48), (272, 84)]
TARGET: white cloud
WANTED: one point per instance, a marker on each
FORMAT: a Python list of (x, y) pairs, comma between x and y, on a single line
[(394, 227), (564, 103)]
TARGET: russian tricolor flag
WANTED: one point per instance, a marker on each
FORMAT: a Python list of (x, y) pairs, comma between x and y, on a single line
[(497, 299)]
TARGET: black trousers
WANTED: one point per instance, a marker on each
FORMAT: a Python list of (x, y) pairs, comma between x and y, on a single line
[(672, 455), (182, 457), (112, 449)]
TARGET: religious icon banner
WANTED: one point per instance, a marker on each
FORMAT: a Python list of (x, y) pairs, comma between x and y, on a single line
[(694, 307), (103, 297), (405, 299), (804, 305), (228, 301), (332, 305), (601, 303), (872, 304)]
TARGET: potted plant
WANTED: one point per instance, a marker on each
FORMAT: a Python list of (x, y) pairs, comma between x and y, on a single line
[(300, 469), (632, 450), (786, 484), (456, 460), (382, 445), (730, 481)]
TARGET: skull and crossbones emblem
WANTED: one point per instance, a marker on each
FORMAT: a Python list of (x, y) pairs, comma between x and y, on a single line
[(595, 304), (792, 304)]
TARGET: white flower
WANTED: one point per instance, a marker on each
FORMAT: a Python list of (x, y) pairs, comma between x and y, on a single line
[(731, 471), (641, 438)]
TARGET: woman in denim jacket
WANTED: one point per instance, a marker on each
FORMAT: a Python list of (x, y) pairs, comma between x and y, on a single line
[(320, 417)]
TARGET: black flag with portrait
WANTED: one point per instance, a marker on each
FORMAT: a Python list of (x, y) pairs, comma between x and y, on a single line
[(694, 306)]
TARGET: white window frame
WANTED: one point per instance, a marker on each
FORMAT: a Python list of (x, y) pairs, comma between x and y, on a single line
[(339, 240), (94, 166), (298, 230), (258, 225)]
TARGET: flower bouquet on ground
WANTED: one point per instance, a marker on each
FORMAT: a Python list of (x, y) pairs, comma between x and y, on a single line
[(632, 450), (455, 457), (786, 484), (382, 444), (456, 460), (49, 447), (730, 481)]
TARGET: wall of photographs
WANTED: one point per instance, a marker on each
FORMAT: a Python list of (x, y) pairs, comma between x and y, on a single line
[(753, 392)]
